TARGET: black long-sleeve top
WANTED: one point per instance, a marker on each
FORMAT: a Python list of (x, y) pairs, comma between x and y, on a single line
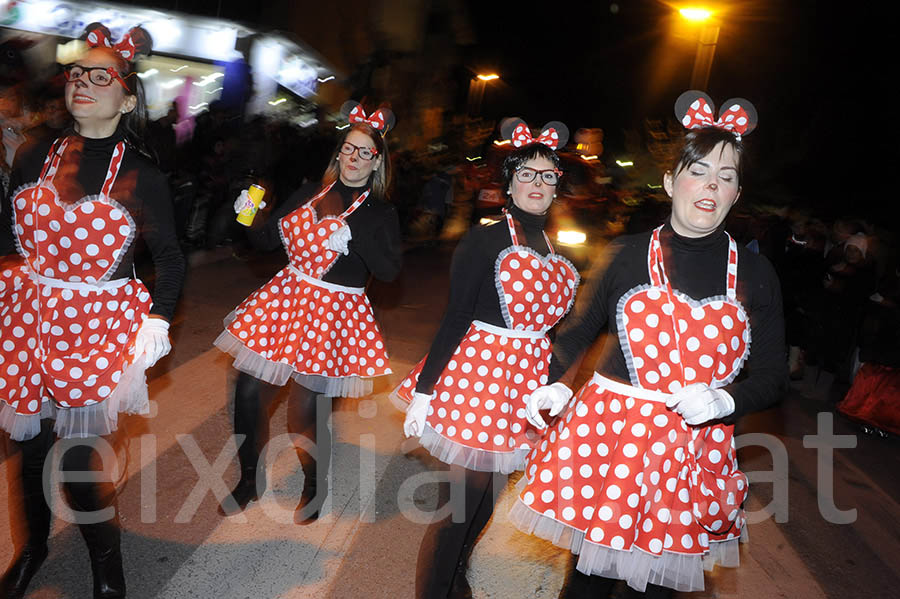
[(140, 187), (695, 267), (473, 291), (375, 247)]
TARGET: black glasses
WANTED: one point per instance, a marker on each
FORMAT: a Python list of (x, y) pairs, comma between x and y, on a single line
[(99, 76), (364, 153), (550, 176)]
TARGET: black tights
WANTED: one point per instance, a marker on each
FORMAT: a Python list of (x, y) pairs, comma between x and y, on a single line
[(445, 550), (307, 415), (83, 496), (581, 585)]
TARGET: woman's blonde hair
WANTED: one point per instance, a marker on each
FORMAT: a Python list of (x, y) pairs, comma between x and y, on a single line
[(380, 178)]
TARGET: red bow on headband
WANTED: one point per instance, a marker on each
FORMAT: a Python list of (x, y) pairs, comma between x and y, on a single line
[(98, 38), (522, 137), (376, 119), (734, 118)]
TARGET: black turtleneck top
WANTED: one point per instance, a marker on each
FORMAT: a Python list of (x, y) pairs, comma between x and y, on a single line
[(695, 267), (473, 291), (375, 248), (140, 188)]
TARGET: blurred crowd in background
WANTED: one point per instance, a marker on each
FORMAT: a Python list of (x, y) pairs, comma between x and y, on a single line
[(840, 274)]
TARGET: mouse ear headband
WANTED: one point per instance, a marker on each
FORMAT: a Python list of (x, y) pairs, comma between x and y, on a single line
[(382, 120), (554, 134), (695, 110), (136, 41)]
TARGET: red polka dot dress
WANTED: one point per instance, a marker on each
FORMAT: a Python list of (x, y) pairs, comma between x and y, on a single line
[(623, 481), (321, 334), (68, 331), (477, 418)]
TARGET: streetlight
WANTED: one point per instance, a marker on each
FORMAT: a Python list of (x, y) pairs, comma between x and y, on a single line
[(706, 44), (476, 93)]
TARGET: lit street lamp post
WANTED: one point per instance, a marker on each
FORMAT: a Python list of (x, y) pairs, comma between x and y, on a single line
[(476, 91), (706, 45)]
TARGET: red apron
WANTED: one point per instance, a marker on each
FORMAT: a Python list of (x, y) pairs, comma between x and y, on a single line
[(624, 481), (322, 334), (477, 418), (68, 330)]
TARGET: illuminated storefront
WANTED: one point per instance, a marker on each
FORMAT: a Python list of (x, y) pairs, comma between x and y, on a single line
[(195, 59)]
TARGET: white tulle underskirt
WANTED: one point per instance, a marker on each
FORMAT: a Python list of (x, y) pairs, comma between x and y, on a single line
[(680, 571), (278, 373), (129, 397)]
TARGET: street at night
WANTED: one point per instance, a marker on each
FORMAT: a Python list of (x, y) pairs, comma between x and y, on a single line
[(176, 545), (447, 299)]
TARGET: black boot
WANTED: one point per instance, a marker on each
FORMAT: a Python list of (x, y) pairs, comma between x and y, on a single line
[(103, 539), (22, 570), (308, 415), (36, 512), (104, 546), (311, 500), (248, 420), (243, 493)]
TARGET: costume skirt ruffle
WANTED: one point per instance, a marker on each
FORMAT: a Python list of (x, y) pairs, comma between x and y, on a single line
[(322, 335), (67, 353), (624, 483), (477, 418)]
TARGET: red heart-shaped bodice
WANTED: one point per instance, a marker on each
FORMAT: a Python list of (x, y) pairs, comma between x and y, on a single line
[(83, 241), (670, 344), (304, 235), (535, 291)]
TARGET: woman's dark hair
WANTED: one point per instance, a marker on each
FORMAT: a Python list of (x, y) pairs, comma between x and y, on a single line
[(520, 156), (134, 123), (379, 179), (700, 142)]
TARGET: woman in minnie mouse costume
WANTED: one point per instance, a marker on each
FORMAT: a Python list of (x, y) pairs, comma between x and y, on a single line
[(78, 329), (312, 322), (639, 476), (467, 397)]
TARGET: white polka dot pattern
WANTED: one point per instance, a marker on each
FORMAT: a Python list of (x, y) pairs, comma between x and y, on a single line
[(318, 331), (646, 479), (69, 345), (304, 237), (480, 397), (80, 242), (670, 340), (481, 394), (535, 291), (637, 487)]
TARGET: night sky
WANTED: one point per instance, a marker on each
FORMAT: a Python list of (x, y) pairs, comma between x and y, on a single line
[(815, 71)]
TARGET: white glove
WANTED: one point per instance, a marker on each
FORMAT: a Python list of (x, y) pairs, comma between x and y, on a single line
[(152, 341), (416, 413), (244, 201), (553, 397), (698, 403), (339, 240)]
